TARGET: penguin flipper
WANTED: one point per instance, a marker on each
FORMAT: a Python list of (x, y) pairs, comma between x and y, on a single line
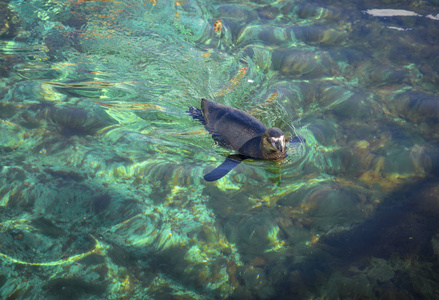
[(296, 139), (227, 166)]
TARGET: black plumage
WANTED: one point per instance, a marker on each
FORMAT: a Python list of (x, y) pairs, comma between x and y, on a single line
[(235, 129)]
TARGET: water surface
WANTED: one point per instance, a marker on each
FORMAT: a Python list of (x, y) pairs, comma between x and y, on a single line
[(101, 175)]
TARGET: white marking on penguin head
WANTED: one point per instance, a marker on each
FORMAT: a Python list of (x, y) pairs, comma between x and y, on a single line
[(275, 140), (278, 143)]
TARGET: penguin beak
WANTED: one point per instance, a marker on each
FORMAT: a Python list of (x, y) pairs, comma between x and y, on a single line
[(278, 143)]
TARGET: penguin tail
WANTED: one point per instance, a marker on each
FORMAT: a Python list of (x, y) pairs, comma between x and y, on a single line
[(196, 114)]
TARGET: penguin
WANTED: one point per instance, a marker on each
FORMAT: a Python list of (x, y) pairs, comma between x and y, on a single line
[(237, 130)]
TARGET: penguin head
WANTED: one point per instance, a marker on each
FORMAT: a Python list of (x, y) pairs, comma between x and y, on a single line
[(273, 143)]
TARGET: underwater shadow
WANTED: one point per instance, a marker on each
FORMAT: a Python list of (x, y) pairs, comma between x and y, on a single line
[(400, 232)]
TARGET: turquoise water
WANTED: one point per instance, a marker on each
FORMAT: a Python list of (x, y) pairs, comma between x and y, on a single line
[(101, 175)]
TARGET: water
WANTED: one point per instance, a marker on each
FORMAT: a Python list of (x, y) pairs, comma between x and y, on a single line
[(102, 193)]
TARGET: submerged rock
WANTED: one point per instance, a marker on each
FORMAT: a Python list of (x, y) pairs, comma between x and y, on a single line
[(78, 121), (303, 63), (268, 12), (319, 35), (73, 288), (416, 106)]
